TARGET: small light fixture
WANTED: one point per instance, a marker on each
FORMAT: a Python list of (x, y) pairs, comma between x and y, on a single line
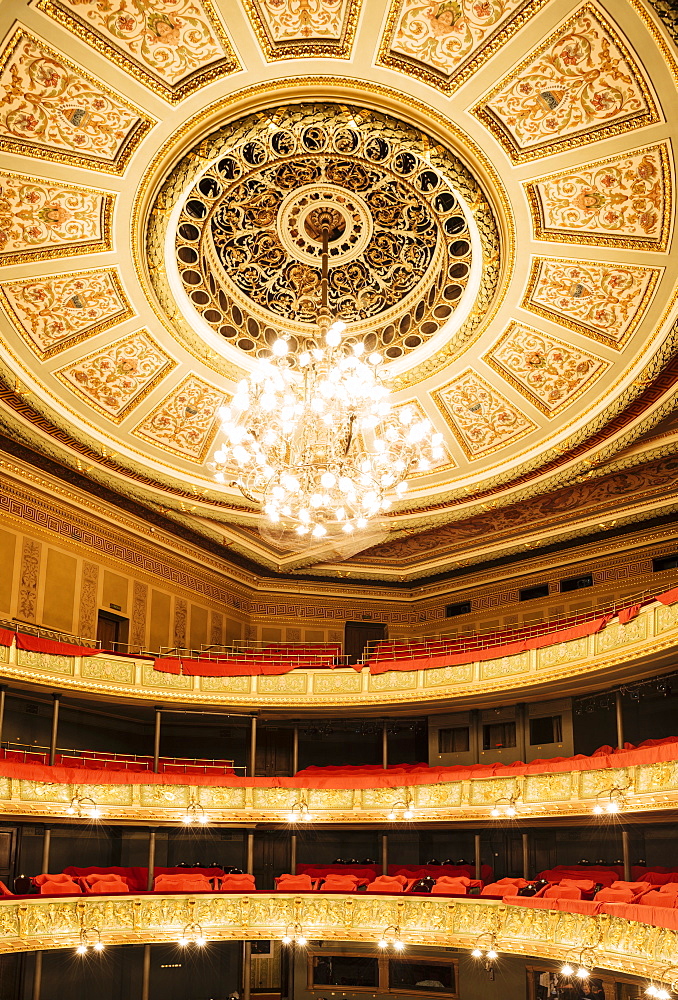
[(300, 813), (83, 805), (505, 805), (195, 813), (192, 934), (89, 938), (402, 808), (580, 964), (485, 947), (665, 986), (294, 935), (391, 938), (613, 800)]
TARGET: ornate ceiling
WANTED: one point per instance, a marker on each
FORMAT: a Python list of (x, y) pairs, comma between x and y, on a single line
[(502, 178)]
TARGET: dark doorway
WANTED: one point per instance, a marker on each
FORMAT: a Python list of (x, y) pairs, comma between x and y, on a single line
[(111, 630), (274, 751), (358, 634)]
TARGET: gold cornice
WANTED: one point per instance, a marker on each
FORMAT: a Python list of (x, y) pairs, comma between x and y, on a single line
[(625, 946)]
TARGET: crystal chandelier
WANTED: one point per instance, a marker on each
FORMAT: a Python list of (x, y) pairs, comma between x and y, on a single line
[(311, 436)]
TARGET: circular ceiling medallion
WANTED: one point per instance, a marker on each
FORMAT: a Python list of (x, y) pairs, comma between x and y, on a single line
[(300, 218), (413, 244)]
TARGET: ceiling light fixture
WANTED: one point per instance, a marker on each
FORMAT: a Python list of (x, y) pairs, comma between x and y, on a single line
[(192, 934), (299, 813), (294, 934), (195, 813), (89, 939), (391, 936), (311, 437), (402, 808), (83, 805), (616, 800), (505, 805)]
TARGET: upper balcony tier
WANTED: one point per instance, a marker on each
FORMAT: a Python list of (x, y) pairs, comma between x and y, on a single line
[(601, 647)]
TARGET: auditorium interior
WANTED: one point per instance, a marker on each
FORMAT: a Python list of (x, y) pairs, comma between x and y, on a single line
[(326, 673)]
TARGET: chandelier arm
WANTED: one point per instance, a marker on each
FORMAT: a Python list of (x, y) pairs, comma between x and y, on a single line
[(245, 493)]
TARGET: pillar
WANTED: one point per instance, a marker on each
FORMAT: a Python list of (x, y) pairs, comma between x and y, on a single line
[(246, 969), (384, 854), (37, 976), (151, 859), (295, 750), (146, 973), (250, 854), (619, 710), (478, 860), (253, 747), (46, 840), (384, 746), (293, 854), (526, 855), (55, 727), (156, 741), (3, 691), (626, 855)]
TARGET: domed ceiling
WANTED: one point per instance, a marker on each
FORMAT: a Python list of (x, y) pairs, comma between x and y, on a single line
[(501, 178)]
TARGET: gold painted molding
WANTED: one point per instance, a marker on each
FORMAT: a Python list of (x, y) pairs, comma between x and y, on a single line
[(647, 788), (643, 647), (625, 946)]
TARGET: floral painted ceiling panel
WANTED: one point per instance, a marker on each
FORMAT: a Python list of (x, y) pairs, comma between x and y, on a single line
[(551, 373), (47, 103), (172, 46), (604, 301), (289, 29), (185, 422), (482, 419), (115, 379), (581, 82), (620, 201), (42, 218), (443, 42), (53, 313)]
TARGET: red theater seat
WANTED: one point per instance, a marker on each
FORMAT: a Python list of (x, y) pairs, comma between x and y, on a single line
[(57, 885), (388, 883), (615, 896), (340, 883), (448, 885), (562, 892), (504, 887), (181, 883), (238, 883), (658, 898), (104, 883), (293, 883)]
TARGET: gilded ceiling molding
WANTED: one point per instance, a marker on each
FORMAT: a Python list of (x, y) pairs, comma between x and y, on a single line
[(621, 945), (445, 44), (52, 109), (41, 219), (174, 51), (548, 104), (625, 200), (287, 30), (53, 313)]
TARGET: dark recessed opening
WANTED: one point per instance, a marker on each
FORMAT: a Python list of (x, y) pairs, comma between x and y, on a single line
[(498, 735), (548, 729), (461, 608), (665, 562), (455, 739), (529, 593), (576, 583)]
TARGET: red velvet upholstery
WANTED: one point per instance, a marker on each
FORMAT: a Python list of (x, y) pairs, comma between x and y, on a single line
[(615, 896), (669, 888), (585, 884), (181, 883), (104, 883), (655, 897), (504, 887), (388, 883), (340, 883), (562, 892), (57, 885), (238, 883), (450, 886), (4, 891), (294, 883)]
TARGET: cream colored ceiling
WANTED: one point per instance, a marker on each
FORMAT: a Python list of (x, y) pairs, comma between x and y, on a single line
[(563, 112)]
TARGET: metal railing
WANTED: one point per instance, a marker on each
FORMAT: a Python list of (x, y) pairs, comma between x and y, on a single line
[(27, 752), (477, 639)]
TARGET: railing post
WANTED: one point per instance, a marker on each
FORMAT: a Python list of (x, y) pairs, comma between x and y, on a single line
[(151, 859), (384, 745), (156, 741), (250, 854), (478, 859), (246, 969), (384, 854), (526, 855), (293, 854), (55, 728)]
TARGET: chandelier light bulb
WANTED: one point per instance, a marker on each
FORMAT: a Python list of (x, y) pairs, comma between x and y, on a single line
[(510, 810), (286, 939), (597, 809), (183, 941), (662, 994), (81, 949), (477, 953), (188, 819), (495, 812), (652, 991), (203, 818), (566, 970), (302, 942), (492, 954), (98, 946), (382, 943), (583, 972), (399, 945), (613, 806), (408, 814), (201, 941)]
